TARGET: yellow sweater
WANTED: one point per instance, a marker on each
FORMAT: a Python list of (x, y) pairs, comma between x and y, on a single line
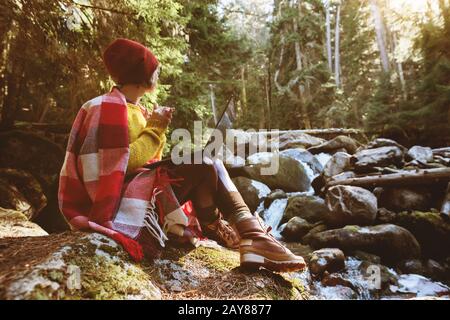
[(147, 138)]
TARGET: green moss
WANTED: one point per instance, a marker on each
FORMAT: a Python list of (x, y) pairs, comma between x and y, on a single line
[(56, 275), (352, 228), (40, 293), (429, 228), (102, 278), (219, 260)]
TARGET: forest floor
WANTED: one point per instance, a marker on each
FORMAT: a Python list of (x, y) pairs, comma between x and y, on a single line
[(40, 268)]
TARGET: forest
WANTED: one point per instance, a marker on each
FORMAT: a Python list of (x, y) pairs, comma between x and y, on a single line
[(350, 99), (378, 65)]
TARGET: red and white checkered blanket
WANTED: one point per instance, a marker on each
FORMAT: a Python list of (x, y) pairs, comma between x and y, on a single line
[(93, 190)]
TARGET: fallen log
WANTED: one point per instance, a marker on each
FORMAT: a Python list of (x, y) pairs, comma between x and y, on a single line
[(443, 152), (405, 178), (445, 210)]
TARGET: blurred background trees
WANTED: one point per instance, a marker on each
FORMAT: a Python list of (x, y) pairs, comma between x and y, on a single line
[(380, 65)]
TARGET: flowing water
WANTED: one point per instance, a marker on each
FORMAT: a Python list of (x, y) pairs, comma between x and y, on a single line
[(359, 285)]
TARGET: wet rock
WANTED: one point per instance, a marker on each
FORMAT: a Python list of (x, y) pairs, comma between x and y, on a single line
[(412, 266), (294, 139), (296, 228), (310, 208), (278, 172), (252, 191), (14, 224), (305, 157), (430, 229), (421, 154), (327, 259), (20, 191), (316, 229), (435, 270), (401, 199), (338, 143), (336, 279), (385, 216), (350, 205), (364, 256), (343, 176), (382, 142), (274, 195), (366, 160), (338, 163), (390, 242)]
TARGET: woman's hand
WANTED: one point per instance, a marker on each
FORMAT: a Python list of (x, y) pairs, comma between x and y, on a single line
[(164, 112)]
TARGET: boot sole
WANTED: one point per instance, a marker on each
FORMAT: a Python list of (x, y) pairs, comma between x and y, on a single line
[(253, 261)]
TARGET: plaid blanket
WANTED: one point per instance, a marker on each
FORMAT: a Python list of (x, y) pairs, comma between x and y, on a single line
[(94, 193)]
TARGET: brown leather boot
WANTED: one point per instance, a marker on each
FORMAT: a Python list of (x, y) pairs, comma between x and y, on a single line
[(258, 248), (222, 232)]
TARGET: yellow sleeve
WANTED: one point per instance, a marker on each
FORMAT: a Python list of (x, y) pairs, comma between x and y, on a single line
[(149, 144)]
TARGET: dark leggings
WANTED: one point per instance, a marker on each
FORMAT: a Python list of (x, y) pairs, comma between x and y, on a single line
[(210, 189)]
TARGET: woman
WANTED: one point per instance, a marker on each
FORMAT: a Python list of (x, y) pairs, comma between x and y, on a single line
[(104, 187)]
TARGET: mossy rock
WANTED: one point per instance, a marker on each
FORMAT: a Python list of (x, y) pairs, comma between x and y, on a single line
[(430, 230), (75, 265)]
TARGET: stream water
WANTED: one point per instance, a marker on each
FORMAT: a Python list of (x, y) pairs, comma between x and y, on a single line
[(358, 284)]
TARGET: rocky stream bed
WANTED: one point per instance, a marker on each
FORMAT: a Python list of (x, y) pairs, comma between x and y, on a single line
[(350, 207)]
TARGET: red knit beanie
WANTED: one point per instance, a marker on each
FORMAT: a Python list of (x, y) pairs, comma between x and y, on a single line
[(129, 62)]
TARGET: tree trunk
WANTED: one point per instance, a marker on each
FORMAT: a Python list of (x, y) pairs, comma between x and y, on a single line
[(337, 59), (381, 35), (244, 91), (268, 99), (417, 177), (328, 36), (301, 87), (213, 103), (399, 65)]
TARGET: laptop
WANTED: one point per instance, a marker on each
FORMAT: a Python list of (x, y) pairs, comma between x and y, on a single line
[(220, 125)]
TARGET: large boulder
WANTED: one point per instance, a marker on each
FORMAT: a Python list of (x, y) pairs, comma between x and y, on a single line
[(421, 154), (318, 227), (401, 199), (20, 191), (340, 142), (295, 139), (350, 205), (278, 172), (296, 228), (305, 157), (310, 208), (92, 266), (392, 243), (365, 160), (382, 142), (274, 195), (430, 229), (338, 163), (327, 259), (252, 191), (15, 224)]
